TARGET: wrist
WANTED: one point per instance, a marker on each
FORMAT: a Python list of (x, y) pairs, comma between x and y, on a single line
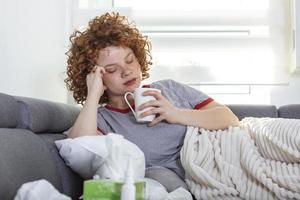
[(184, 116), (93, 98), (94, 94), (179, 113)]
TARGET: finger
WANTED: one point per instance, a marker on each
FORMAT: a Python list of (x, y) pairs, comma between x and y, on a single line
[(157, 95), (151, 103), (104, 87), (152, 111), (98, 69), (102, 70), (94, 68), (156, 121)]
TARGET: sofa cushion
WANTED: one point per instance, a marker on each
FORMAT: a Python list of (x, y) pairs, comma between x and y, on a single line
[(8, 111), (45, 116), (72, 183), (289, 111), (24, 158), (169, 179), (242, 111)]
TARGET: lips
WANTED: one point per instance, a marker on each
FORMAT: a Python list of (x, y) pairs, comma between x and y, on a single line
[(130, 82)]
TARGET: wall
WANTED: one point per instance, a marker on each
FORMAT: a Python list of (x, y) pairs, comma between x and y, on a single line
[(281, 95), (32, 60), (32, 49)]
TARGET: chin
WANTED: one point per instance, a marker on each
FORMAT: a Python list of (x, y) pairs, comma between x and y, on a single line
[(138, 83), (133, 87)]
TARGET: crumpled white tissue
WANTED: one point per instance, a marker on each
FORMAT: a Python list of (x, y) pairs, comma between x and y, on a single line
[(179, 194), (106, 156), (156, 191), (37, 190)]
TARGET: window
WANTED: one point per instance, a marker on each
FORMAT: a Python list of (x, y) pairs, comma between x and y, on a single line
[(216, 41), (236, 43)]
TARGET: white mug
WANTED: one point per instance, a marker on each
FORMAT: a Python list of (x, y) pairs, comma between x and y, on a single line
[(139, 99)]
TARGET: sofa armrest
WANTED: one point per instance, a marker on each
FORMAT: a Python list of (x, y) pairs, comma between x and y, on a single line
[(289, 111), (45, 116), (8, 111)]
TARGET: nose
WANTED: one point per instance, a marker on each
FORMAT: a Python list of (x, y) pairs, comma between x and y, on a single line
[(126, 71)]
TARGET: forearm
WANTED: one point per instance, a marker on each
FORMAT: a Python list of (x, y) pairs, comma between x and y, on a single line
[(86, 122), (215, 118)]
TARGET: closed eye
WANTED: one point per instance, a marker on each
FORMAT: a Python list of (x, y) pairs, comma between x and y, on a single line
[(129, 61), (111, 69)]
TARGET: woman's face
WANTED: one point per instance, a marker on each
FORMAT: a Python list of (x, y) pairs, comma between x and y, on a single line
[(123, 71)]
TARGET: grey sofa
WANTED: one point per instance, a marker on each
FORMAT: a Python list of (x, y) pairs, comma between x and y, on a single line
[(29, 127)]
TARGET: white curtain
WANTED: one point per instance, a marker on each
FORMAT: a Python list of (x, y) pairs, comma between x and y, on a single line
[(208, 41), (216, 41)]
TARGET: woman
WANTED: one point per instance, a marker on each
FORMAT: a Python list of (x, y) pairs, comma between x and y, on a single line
[(110, 58)]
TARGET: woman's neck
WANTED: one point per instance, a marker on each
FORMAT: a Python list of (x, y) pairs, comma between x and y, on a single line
[(119, 102)]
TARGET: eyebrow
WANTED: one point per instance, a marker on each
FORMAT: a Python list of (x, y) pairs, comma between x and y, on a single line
[(117, 63)]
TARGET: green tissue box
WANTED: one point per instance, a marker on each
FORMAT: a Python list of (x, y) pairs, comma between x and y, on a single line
[(105, 189)]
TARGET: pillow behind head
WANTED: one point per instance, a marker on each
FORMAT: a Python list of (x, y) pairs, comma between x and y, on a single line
[(105, 155)]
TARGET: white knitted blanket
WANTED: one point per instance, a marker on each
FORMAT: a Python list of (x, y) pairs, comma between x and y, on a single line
[(258, 160)]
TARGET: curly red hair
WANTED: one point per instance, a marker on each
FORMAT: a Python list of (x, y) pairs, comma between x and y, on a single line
[(110, 29)]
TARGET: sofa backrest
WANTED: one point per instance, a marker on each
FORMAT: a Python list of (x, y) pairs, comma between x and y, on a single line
[(289, 111), (242, 111), (8, 111)]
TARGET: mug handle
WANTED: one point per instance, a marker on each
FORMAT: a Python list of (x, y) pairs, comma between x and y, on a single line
[(125, 97)]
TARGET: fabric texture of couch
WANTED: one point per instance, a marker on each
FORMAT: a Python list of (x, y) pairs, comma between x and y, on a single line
[(29, 127)]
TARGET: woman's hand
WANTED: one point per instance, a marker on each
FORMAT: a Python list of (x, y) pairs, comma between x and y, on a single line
[(161, 107), (95, 83)]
